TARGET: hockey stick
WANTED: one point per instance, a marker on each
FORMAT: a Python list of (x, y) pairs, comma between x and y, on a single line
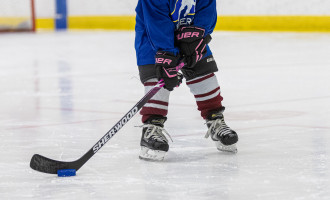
[(46, 165)]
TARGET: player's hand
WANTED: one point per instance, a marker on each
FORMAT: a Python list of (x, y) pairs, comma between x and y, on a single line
[(166, 69), (192, 43)]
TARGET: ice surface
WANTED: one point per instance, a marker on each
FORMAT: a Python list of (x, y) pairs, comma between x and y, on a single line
[(61, 92)]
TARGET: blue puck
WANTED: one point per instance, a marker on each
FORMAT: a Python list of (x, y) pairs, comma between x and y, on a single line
[(66, 172)]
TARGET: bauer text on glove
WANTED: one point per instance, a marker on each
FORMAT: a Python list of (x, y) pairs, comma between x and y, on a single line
[(192, 43), (166, 69)]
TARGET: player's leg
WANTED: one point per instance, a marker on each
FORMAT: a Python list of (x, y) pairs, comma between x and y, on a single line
[(205, 87), (154, 142)]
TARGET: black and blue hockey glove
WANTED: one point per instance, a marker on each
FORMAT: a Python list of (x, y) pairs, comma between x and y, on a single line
[(166, 64), (192, 44)]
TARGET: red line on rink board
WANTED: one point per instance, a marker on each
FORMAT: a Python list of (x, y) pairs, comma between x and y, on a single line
[(80, 110), (303, 126), (250, 104), (259, 127), (182, 105), (56, 124)]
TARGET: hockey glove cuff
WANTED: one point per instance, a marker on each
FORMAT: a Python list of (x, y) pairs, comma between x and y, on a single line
[(192, 44), (166, 64)]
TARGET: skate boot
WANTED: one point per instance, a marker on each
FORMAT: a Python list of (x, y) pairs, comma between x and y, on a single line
[(224, 137), (154, 143)]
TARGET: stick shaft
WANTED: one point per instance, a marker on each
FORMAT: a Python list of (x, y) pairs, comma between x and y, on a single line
[(46, 165)]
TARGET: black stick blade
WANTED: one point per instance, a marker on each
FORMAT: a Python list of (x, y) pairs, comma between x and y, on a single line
[(46, 165)]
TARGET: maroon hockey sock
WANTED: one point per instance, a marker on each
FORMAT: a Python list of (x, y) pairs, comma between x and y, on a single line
[(207, 93), (158, 104)]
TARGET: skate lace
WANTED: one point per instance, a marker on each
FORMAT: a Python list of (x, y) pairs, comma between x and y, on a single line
[(217, 126), (156, 132)]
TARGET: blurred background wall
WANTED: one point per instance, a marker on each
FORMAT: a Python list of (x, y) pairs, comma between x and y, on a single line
[(259, 15)]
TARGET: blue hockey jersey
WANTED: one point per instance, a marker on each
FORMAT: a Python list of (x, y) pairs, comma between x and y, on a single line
[(157, 20)]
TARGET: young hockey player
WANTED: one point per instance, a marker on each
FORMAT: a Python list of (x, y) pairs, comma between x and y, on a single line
[(166, 31)]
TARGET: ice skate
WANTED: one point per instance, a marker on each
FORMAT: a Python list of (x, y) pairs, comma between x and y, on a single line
[(224, 137), (154, 143)]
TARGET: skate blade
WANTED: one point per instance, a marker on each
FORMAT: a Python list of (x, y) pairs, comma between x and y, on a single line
[(226, 148), (149, 154)]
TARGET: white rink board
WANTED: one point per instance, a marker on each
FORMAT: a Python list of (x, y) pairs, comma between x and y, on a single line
[(15, 8), (61, 92), (45, 8)]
